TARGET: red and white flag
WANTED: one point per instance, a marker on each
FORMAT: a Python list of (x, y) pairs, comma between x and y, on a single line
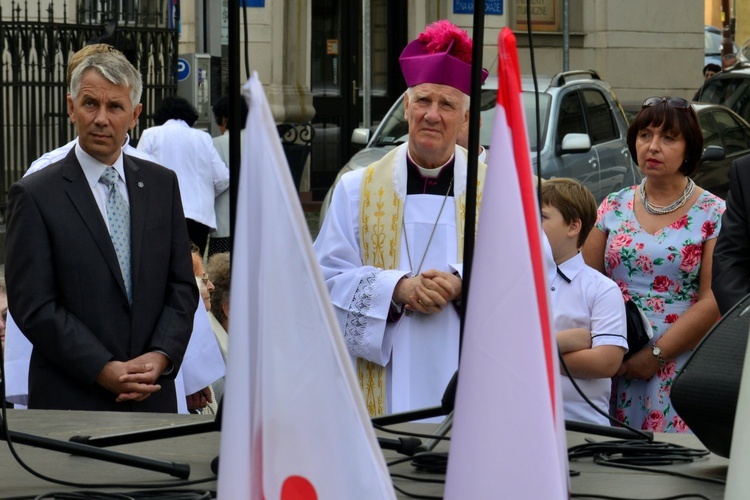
[(294, 423), (508, 436)]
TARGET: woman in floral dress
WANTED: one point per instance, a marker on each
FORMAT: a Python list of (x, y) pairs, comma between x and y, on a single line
[(656, 241)]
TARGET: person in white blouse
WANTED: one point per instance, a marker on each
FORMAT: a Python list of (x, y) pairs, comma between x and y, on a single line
[(589, 312), (191, 154)]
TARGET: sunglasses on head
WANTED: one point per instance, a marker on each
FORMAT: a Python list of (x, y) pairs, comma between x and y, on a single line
[(674, 102)]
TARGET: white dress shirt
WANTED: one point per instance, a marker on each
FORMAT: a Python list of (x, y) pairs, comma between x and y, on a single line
[(93, 170), (594, 302)]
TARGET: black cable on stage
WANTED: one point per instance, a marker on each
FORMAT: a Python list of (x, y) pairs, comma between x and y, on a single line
[(415, 495), (539, 200), (638, 432), (637, 455), (676, 453), (398, 461), (607, 462), (247, 45), (418, 479), (139, 495), (532, 59), (635, 452), (434, 462), (411, 434)]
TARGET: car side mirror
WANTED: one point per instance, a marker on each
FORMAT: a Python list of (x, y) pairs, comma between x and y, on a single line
[(361, 136), (574, 143), (713, 153)]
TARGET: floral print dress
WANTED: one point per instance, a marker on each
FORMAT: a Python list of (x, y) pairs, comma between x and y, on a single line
[(660, 272)]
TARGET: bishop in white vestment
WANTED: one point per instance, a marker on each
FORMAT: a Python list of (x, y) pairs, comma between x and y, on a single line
[(393, 237)]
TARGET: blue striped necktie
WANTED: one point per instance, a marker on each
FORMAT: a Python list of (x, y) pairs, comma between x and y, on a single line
[(118, 216)]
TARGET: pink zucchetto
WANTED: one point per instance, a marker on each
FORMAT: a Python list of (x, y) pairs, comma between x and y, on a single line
[(442, 55)]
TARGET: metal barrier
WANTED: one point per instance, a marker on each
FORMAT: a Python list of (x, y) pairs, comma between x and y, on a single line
[(296, 139)]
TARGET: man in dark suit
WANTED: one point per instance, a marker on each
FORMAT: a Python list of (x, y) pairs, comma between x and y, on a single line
[(731, 269), (109, 326)]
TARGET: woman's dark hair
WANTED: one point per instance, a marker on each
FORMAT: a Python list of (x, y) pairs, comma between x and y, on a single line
[(683, 122), (175, 108), (221, 111)]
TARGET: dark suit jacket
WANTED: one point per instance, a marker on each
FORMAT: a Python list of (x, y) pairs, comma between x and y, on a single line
[(66, 290), (731, 270)]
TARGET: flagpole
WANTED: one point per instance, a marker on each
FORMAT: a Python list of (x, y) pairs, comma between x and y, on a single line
[(473, 146), (233, 89)]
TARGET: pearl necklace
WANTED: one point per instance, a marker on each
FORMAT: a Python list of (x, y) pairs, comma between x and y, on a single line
[(656, 209)]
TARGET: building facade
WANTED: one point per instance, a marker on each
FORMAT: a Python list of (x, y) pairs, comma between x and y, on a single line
[(311, 55)]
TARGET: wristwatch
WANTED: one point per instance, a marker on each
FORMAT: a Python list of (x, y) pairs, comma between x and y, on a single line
[(656, 351)]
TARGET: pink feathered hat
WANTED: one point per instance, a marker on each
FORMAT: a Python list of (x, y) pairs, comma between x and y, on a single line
[(441, 54)]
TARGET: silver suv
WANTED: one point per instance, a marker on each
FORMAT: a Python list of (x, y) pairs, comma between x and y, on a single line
[(582, 132)]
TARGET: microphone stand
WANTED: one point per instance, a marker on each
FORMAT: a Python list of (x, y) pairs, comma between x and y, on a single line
[(174, 469), (445, 409), (439, 433), (152, 434), (148, 435)]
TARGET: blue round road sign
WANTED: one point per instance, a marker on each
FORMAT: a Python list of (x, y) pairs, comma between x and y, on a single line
[(183, 69)]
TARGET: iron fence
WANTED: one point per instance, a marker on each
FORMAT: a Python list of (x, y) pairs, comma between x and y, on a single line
[(38, 38)]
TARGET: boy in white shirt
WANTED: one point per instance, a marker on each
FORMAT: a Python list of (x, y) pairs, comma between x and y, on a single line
[(589, 312)]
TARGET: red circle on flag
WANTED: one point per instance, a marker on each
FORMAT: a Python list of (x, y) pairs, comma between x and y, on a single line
[(298, 488)]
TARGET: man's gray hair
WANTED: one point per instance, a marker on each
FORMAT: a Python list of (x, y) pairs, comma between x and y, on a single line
[(466, 102), (114, 67)]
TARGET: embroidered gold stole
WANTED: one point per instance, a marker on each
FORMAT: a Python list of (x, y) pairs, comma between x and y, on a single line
[(380, 215)]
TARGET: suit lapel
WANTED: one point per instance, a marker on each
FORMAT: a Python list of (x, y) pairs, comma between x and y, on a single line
[(138, 195), (79, 192)]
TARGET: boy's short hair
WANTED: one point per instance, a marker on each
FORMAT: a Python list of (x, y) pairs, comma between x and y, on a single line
[(574, 201)]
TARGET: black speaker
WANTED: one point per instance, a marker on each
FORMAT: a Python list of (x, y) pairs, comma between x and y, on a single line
[(705, 392)]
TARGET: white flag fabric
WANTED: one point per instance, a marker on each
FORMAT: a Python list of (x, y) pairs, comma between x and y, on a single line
[(508, 435), (294, 424)]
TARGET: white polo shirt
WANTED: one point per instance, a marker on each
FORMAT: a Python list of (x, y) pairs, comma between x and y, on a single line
[(592, 301)]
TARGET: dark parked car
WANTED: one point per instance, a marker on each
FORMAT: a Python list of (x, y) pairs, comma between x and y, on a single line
[(730, 88), (726, 137), (582, 132)]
